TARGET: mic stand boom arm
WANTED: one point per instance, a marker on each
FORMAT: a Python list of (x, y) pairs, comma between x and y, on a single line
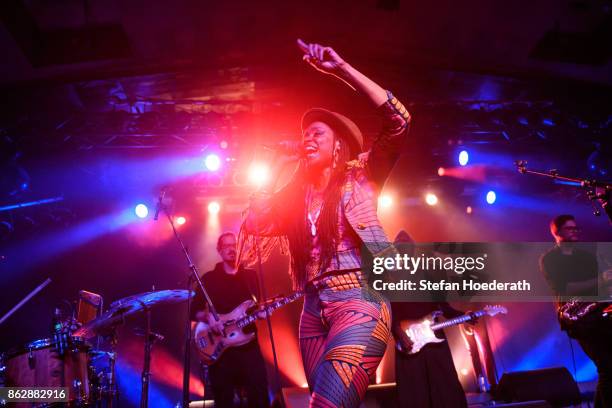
[(590, 186)]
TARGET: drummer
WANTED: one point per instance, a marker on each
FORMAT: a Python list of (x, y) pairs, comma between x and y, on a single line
[(229, 285)]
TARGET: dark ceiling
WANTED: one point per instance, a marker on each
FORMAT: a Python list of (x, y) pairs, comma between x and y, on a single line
[(91, 39), (520, 77)]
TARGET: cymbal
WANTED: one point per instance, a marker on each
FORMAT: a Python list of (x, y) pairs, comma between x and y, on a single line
[(121, 308)]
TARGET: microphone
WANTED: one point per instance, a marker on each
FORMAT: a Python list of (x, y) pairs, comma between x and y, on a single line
[(287, 147), (158, 208)]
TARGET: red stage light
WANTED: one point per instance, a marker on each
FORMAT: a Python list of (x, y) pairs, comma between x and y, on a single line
[(259, 174), (431, 199)]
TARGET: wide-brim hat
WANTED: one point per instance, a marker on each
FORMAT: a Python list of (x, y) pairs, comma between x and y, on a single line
[(346, 128)]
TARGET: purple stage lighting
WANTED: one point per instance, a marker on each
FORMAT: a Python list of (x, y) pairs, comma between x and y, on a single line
[(141, 211)]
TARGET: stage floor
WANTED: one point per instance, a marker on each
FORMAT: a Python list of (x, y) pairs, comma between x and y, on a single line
[(296, 397)]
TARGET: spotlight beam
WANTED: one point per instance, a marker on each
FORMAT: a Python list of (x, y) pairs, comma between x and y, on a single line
[(31, 203)]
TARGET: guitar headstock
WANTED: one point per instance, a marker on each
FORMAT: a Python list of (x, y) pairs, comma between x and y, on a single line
[(493, 310)]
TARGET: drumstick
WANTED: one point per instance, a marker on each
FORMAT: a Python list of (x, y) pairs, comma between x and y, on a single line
[(25, 300)]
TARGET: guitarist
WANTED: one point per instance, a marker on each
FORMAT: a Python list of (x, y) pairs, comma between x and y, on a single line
[(572, 272), (229, 285), (427, 379)]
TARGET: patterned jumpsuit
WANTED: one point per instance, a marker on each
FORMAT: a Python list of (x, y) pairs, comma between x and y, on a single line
[(345, 325)]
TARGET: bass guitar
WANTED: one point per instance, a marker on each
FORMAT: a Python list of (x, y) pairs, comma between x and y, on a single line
[(211, 345), (583, 319), (422, 332)]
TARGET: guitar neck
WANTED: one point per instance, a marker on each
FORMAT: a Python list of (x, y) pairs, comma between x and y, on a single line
[(458, 320), (249, 319)]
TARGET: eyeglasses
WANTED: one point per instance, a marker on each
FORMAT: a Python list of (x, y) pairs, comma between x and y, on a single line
[(574, 229)]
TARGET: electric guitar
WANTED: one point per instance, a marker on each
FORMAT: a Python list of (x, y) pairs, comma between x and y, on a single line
[(584, 318), (211, 345), (422, 332)]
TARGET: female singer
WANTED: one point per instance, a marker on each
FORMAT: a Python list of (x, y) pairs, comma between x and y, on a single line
[(324, 216)]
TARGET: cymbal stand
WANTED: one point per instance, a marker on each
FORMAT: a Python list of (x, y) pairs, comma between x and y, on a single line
[(112, 376), (150, 339), (146, 375)]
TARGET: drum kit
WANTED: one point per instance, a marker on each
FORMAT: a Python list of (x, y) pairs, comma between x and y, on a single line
[(73, 357)]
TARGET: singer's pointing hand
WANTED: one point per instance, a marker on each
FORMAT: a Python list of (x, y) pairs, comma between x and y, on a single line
[(322, 58)]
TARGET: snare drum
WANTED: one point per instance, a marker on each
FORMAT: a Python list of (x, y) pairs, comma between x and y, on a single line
[(50, 363)]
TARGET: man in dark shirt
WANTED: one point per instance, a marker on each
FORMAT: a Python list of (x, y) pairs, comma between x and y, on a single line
[(572, 272), (569, 270), (228, 286)]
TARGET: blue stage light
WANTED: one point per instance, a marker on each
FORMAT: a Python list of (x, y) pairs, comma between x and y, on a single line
[(212, 162), (548, 122), (141, 211), (491, 197), (464, 157)]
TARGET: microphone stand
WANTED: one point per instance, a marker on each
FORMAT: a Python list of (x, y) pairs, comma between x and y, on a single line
[(261, 280), (194, 275), (590, 187), (262, 291)]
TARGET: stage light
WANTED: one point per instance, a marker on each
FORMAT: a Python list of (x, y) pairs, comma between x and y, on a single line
[(464, 157), (385, 201), (181, 220), (548, 122), (431, 199), (468, 209), (141, 211), (214, 207), (491, 197), (223, 144), (212, 162), (441, 171), (259, 174)]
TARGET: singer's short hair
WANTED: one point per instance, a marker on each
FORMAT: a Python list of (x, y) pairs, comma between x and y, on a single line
[(557, 222), (225, 234)]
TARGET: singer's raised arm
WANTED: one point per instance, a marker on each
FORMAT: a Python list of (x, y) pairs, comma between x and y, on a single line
[(395, 118)]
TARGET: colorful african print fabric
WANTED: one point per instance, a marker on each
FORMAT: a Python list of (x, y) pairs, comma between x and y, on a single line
[(344, 329)]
